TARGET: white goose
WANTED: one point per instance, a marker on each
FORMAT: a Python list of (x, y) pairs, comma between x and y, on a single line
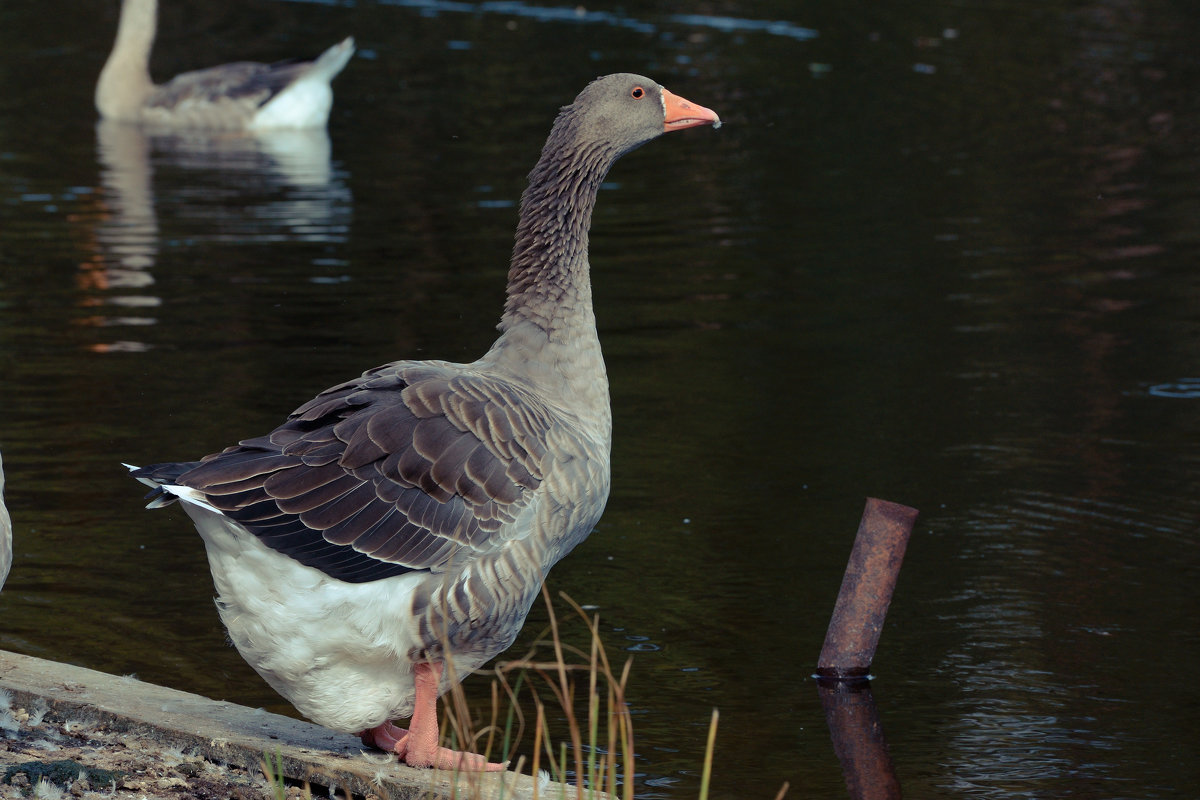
[(238, 96), (392, 534)]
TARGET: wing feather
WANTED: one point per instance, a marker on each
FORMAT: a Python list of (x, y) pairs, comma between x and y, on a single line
[(246, 82), (397, 470), (336, 511), (296, 481), (351, 529)]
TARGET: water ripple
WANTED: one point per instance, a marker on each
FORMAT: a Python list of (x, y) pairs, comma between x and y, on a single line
[(579, 14), (1184, 388)]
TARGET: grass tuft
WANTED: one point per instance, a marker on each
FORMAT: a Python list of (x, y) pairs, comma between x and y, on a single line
[(590, 745)]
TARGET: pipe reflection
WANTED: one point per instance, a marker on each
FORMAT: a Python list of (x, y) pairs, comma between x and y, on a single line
[(858, 739)]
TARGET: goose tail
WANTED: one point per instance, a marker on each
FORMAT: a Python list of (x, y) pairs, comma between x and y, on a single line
[(160, 478), (333, 60)]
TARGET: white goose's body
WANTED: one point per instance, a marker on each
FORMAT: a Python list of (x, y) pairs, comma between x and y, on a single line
[(392, 534), (239, 96)]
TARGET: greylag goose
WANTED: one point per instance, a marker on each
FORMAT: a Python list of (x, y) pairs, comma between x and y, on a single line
[(392, 534), (239, 96)]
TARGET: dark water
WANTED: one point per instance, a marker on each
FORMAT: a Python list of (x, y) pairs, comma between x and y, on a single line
[(942, 253)]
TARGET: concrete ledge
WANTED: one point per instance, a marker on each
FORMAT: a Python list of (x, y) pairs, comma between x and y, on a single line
[(227, 733)]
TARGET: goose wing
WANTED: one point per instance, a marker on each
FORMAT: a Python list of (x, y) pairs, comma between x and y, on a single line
[(404, 468), (245, 82)]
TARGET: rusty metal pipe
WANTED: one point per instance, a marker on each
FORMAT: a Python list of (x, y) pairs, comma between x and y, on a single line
[(866, 592)]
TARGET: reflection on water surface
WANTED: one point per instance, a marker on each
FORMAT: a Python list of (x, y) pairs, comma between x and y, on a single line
[(942, 255), (235, 189)]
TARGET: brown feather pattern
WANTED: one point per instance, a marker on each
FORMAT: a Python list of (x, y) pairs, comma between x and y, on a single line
[(396, 470)]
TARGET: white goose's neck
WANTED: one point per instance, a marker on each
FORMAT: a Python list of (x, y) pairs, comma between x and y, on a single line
[(125, 81)]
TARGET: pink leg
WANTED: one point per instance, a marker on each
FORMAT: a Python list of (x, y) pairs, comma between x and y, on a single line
[(384, 737), (418, 746)]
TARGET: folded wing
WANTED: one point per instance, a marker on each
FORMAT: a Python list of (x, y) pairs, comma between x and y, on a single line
[(397, 470)]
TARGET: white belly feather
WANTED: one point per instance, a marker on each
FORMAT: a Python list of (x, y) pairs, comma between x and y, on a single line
[(304, 104), (339, 652)]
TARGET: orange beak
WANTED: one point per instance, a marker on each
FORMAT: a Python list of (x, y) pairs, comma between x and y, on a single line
[(681, 113)]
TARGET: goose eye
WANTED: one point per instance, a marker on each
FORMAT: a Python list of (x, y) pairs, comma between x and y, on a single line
[(637, 93)]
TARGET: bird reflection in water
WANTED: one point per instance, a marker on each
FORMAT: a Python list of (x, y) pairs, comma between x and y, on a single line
[(236, 188)]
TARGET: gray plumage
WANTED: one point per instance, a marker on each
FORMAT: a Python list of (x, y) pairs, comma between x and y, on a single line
[(409, 516)]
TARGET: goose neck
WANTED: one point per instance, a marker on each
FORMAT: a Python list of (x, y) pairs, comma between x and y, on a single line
[(125, 80), (548, 280)]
